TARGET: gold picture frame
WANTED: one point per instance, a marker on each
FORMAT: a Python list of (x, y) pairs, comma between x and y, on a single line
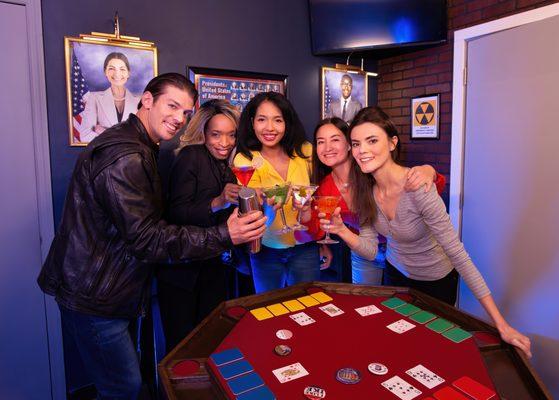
[(344, 91), (91, 106)]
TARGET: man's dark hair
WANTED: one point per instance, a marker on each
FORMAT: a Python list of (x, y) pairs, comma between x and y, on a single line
[(158, 85)]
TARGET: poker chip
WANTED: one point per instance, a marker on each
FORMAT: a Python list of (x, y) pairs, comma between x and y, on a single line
[(284, 334), (282, 350), (349, 376), (378, 368), (314, 393)]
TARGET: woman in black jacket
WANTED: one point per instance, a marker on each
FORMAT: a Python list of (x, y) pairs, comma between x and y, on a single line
[(201, 191)]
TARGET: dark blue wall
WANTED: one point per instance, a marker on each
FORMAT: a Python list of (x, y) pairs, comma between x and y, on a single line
[(249, 35)]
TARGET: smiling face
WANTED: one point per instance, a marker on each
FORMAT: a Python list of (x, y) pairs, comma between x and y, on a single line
[(346, 85), (371, 147), (268, 124), (332, 147), (116, 72), (220, 136), (164, 116)]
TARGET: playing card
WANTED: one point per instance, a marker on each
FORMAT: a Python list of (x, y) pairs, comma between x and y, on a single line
[(401, 326), (261, 313), (407, 309), (289, 373), (302, 319), (226, 356), (308, 301), (457, 335), (245, 383), (261, 393), (368, 310), (473, 388), (331, 310), (448, 393), (293, 305), (322, 297), (234, 369), (393, 302), (278, 309), (425, 376), (401, 388)]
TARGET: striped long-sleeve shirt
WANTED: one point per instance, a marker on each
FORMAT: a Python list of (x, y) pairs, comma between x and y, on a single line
[(422, 243)]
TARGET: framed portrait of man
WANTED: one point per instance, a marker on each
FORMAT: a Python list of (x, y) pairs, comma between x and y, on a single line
[(344, 93), (104, 83)]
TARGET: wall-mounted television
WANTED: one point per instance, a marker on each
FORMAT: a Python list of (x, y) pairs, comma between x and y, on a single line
[(339, 26)]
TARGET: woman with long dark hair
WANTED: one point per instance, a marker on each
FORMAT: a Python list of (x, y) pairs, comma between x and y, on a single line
[(423, 250), (272, 137), (331, 168)]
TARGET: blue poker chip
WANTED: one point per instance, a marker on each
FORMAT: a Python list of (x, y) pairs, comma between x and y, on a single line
[(349, 376)]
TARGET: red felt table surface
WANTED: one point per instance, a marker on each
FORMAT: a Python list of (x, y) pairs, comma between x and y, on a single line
[(350, 340)]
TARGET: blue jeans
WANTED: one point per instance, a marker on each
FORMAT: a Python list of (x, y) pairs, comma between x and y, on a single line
[(367, 272), (277, 268), (107, 353)]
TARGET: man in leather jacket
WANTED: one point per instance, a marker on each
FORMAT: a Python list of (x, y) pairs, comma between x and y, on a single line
[(111, 229)]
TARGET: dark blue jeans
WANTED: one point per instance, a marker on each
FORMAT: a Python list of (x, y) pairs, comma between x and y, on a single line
[(107, 352), (277, 268)]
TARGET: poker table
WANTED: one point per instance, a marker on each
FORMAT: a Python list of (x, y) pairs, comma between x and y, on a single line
[(253, 326)]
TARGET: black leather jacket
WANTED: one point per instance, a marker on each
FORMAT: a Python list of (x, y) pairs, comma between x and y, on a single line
[(111, 228)]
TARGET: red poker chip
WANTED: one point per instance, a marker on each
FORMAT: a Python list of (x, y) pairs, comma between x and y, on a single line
[(314, 393)]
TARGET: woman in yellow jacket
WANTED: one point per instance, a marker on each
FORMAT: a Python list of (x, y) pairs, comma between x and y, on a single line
[(272, 137)]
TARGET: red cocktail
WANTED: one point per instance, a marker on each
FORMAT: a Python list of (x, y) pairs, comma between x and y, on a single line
[(243, 174)]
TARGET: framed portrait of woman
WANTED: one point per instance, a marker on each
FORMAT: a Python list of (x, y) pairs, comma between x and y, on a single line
[(104, 82)]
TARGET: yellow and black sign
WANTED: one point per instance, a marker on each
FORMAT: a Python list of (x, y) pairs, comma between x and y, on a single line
[(425, 117)]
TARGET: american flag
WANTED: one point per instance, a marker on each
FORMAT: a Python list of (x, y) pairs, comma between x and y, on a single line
[(79, 89), (327, 98)]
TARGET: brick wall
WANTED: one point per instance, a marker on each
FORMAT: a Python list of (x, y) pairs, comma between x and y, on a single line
[(429, 71)]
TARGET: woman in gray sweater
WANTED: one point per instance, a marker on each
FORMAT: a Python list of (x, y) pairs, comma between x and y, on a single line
[(423, 250)]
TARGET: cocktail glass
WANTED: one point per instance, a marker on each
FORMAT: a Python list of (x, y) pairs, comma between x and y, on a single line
[(244, 174), (279, 194), (302, 193), (327, 205)]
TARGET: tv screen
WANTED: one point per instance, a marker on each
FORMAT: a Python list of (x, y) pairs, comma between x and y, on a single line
[(347, 25)]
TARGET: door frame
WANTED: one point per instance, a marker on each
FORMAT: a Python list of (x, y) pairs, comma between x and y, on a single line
[(461, 39), (39, 121)]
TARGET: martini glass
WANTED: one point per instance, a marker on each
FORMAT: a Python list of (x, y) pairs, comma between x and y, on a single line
[(279, 194), (243, 174), (302, 193), (327, 205)]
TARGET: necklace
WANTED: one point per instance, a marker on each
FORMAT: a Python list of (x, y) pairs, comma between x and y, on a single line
[(342, 186)]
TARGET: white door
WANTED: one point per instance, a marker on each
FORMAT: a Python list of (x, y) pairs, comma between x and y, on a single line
[(25, 363), (510, 215)]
